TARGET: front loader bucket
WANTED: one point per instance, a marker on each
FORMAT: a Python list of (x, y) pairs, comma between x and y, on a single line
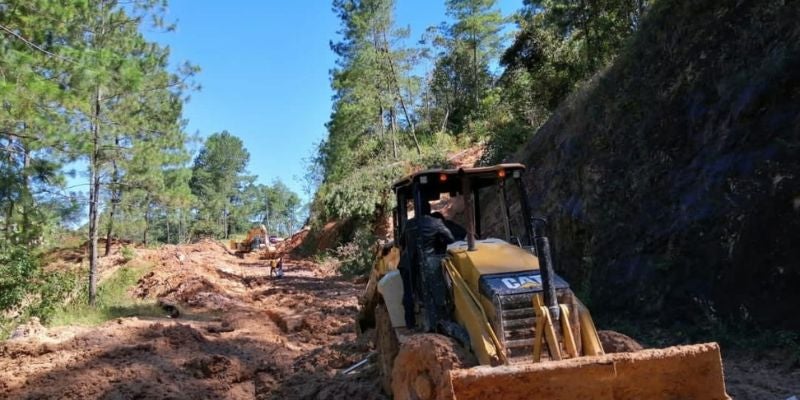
[(679, 373)]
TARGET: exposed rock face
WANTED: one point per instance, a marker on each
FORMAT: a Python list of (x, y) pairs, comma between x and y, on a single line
[(672, 181)]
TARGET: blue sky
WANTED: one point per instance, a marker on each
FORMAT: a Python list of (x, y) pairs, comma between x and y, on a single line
[(265, 72)]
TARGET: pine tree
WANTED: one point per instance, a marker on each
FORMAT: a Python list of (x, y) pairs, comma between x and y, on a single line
[(114, 67), (217, 175), (34, 129), (461, 75)]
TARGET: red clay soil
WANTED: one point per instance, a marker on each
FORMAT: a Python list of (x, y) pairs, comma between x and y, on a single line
[(240, 335), (468, 157), (243, 335)]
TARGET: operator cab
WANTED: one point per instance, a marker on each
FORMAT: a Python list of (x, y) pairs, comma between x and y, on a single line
[(496, 241), (417, 191)]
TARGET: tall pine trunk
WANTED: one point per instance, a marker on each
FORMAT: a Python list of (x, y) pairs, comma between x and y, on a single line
[(181, 233), (94, 196), (146, 220), (9, 216), (474, 72), (115, 195), (27, 198), (399, 94), (167, 223), (110, 228), (225, 222)]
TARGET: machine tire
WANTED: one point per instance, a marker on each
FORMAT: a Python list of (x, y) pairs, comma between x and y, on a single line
[(386, 345), (422, 365), (615, 342)]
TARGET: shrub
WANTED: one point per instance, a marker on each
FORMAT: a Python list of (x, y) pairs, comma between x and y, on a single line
[(128, 253), (28, 291), (113, 301), (357, 256), (17, 269)]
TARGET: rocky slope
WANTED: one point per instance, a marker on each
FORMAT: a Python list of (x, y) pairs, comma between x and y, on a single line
[(672, 180)]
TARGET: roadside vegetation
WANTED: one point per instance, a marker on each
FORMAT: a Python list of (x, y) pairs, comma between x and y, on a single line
[(93, 145), (114, 300), (405, 100), (636, 148), (26, 290)]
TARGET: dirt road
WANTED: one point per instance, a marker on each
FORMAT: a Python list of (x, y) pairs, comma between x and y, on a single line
[(241, 335)]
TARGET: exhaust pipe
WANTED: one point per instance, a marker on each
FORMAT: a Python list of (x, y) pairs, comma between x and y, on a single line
[(542, 244)]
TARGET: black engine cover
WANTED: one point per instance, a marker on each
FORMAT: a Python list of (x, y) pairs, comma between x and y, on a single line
[(516, 284)]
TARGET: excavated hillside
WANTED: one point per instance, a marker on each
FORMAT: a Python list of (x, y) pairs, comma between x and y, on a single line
[(672, 179)]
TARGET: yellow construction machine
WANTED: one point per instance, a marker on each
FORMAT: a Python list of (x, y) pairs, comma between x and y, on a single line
[(256, 239), (510, 327)]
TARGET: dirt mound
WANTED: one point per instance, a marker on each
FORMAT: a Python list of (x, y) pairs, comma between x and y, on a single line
[(615, 342), (749, 376), (294, 242), (215, 366), (31, 329), (330, 235), (423, 362), (191, 276), (186, 289), (287, 320), (314, 374), (468, 157)]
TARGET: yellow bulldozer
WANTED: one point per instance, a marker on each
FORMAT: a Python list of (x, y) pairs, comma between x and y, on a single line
[(506, 326)]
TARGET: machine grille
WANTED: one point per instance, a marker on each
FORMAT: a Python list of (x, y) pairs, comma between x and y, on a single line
[(514, 319)]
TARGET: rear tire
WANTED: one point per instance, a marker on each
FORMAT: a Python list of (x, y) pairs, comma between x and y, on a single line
[(421, 366), (386, 344)]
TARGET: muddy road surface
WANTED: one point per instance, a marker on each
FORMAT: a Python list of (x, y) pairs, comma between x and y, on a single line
[(230, 331), (238, 334)]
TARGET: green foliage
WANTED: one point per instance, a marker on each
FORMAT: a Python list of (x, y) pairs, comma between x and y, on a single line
[(367, 190), (88, 88), (53, 290), (17, 270), (561, 42), (460, 102), (128, 254), (28, 291), (559, 45), (217, 174), (275, 206), (113, 301), (461, 74), (356, 257)]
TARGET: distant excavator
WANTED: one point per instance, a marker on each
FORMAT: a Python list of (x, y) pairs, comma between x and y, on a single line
[(256, 239), (486, 317)]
